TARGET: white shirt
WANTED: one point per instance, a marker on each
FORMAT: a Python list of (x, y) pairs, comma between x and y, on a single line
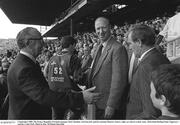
[(28, 55), (131, 66), (172, 28)]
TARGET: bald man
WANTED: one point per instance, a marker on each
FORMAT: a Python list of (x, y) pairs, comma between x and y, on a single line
[(29, 93), (109, 72)]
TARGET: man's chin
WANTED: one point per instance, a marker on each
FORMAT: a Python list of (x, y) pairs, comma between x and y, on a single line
[(102, 39)]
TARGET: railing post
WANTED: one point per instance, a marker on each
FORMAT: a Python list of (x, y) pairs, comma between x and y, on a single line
[(174, 48), (91, 112)]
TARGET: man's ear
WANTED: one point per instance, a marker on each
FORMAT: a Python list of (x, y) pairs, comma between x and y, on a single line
[(27, 42), (163, 100), (139, 42)]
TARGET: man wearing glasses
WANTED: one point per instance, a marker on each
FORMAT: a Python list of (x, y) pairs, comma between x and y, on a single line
[(29, 93)]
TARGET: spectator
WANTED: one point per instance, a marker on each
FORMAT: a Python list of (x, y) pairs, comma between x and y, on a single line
[(87, 59), (165, 91), (63, 71), (170, 32), (3, 82), (109, 72), (141, 40)]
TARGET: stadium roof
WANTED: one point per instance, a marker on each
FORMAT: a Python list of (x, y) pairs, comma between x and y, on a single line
[(41, 12), (37, 12), (83, 17), (46, 12), (84, 9)]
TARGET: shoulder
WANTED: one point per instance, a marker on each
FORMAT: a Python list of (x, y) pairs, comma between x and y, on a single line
[(153, 61), (157, 58), (21, 61), (115, 44), (154, 56)]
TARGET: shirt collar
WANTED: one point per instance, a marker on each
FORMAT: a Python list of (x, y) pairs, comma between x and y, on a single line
[(105, 43), (145, 53), (28, 55)]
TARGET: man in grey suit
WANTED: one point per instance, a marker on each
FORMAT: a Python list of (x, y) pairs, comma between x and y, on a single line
[(109, 72), (141, 40)]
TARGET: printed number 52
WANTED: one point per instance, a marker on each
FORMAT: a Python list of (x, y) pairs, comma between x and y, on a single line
[(57, 70)]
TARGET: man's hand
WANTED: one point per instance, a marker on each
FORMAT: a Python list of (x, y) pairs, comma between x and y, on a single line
[(89, 96), (109, 112)]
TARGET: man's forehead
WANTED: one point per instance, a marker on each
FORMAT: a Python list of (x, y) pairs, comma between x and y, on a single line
[(101, 21), (33, 34), (37, 35)]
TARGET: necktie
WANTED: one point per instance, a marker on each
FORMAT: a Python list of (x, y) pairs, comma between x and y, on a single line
[(97, 56)]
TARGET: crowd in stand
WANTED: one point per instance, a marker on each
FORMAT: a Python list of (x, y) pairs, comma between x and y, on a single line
[(90, 40), (86, 45)]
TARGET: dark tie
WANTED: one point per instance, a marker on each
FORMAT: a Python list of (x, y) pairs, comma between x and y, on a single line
[(98, 55)]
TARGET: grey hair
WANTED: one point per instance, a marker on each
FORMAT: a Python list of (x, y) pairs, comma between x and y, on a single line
[(25, 34)]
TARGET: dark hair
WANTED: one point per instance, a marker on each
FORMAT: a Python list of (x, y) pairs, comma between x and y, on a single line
[(178, 8), (166, 81), (144, 33), (66, 41), (9, 54)]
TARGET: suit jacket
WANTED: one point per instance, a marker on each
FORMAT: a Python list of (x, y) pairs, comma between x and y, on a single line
[(111, 74), (29, 93), (140, 105)]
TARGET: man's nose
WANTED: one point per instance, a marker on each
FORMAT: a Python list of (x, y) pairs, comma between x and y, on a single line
[(101, 30), (130, 47)]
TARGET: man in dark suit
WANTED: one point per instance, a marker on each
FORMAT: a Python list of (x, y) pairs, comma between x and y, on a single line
[(141, 40), (87, 59), (109, 72), (29, 94)]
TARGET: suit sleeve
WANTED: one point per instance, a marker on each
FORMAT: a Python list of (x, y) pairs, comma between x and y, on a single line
[(144, 89), (119, 76), (37, 89)]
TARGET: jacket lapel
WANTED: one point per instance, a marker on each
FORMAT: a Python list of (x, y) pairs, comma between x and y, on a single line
[(103, 57), (92, 66)]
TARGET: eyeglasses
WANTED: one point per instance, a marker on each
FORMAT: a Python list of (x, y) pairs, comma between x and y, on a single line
[(40, 39), (35, 38)]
